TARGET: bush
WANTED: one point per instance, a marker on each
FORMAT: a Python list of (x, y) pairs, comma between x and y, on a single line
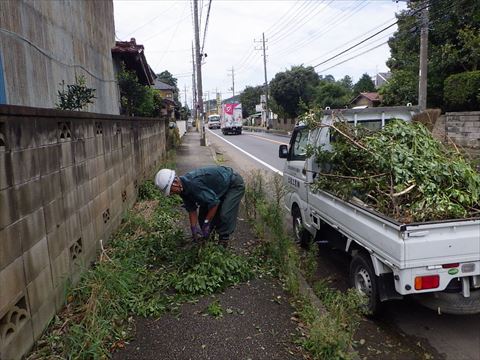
[(462, 91)]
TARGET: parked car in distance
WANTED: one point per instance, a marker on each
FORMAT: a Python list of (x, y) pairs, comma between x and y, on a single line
[(214, 122)]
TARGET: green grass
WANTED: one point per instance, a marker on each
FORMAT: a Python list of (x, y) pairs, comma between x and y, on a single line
[(148, 269), (330, 334)]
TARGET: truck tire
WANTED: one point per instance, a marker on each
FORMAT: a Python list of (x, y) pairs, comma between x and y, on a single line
[(451, 303), (302, 236), (363, 278)]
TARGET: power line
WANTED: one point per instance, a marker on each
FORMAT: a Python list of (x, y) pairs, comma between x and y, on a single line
[(275, 24), (52, 57), (171, 37), (353, 57), (354, 46), (416, 11), (358, 37), (150, 21), (297, 26), (301, 11), (368, 38), (344, 15)]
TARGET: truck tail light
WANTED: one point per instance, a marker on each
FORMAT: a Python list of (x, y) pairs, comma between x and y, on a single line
[(427, 282), (449, 266)]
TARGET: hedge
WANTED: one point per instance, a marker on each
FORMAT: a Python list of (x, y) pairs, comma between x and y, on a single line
[(462, 91)]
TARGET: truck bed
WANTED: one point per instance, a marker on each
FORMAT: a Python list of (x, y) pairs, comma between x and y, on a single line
[(400, 245)]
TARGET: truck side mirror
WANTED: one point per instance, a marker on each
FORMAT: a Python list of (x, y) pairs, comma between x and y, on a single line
[(283, 151)]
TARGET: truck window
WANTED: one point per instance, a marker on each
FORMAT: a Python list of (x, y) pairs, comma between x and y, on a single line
[(298, 145)]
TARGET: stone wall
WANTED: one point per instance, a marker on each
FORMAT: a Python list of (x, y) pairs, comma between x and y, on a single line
[(66, 178), (464, 128), (44, 42)]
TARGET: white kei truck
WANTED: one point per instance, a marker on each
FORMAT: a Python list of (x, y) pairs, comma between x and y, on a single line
[(436, 262), (231, 119)]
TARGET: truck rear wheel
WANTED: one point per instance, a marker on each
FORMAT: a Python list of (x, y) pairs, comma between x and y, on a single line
[(451, 303), (363, 278), (302, 236)]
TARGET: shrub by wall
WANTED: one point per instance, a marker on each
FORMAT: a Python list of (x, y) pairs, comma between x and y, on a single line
[(462, 91)]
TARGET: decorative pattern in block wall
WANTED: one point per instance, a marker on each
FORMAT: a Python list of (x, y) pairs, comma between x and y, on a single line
[(11, 322), (106, 216), (98, 128), (64, 133), (76, 249)]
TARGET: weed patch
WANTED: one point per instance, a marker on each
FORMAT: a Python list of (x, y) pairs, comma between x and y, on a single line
[(149, 268), (328, 335), (214, 309)]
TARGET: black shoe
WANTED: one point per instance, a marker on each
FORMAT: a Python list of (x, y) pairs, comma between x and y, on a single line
[(223, 240)]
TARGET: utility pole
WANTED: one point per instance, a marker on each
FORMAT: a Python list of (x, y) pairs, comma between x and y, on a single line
[(185, 104), (194, 91), (423, 68), (199, 74), (269, 125), (232, 74)]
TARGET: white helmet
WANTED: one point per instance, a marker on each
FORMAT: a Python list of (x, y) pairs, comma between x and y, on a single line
[(164, 180)]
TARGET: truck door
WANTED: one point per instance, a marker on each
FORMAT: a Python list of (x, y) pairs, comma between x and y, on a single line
[(295, 174)]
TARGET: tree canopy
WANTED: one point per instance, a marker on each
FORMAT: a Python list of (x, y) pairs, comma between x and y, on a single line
[(364, 84), (454, 47), (291, 87), (249, 98)]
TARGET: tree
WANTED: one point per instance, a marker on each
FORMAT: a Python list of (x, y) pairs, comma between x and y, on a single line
[(346, 82), (132, 93), (137, 99), (454, 45), (249, 98), (334, 95), (77, 96), (400, 89), (289, 87), (167, 78), (364, 84)]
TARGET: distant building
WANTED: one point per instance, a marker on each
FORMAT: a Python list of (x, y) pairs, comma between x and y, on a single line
[(166, 92), (43, 43), (368, 99), (133, 56), (381, 78)]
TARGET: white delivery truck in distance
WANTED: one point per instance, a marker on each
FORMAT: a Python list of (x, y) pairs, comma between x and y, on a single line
[(231, 119), (213, 121), (436, 262)]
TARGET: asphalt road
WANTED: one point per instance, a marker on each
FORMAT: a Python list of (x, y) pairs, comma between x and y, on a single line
[(455, 337)]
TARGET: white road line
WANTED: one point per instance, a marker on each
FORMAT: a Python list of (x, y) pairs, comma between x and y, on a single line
[(248, 154)]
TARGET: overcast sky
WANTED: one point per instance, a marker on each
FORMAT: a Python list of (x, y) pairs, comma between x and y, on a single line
[(297, 32)]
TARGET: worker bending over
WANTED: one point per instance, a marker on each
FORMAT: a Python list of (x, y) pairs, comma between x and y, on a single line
[(215, 191)]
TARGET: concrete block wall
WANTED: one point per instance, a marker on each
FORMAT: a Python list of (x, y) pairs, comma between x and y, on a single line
[(464, 128), (66, 178)]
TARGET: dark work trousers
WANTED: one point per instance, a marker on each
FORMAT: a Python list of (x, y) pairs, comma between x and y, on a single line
[(225, 219)]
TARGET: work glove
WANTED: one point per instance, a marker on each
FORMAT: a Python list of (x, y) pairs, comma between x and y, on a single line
[(196, 232), (206, 230)]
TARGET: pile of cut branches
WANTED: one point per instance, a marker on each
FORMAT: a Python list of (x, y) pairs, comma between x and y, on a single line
[(400, 171)]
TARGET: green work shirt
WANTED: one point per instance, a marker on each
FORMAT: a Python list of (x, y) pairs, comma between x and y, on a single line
[(205, 186)]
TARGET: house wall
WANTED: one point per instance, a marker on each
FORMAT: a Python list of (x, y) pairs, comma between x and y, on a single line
[(284, 124), (363, 101), (43, 42), (463, 128), (66, 178)]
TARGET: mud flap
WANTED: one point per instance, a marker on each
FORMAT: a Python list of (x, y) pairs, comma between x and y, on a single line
[(386, 288)]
